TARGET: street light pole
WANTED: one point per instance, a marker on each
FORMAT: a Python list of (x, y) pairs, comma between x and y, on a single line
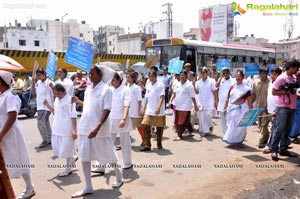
[(62, 30)]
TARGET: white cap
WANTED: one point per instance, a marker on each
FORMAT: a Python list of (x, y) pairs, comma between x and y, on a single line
[(6, 76)]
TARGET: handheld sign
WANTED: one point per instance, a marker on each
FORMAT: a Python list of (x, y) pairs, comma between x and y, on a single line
[(151, 61), (175, 66), (251, 69), (127, 64), (35, 67), (249, 117), (223, 63), (51, 65), (80, 54)]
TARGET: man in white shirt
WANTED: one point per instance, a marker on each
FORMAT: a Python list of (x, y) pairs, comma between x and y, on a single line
[(223, 84), (207, 101)]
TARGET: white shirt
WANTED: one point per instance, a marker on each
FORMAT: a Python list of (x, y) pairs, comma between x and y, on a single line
[(184, 93), (96, 100), (206, 96), (223, 92), (120, 99), (153, 94), (43, 91), (271, 103), (64, 110), (68, 84), (9, 103), (136, 96), (175, 85)]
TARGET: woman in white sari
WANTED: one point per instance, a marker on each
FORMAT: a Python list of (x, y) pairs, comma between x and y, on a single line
[(238, 101)]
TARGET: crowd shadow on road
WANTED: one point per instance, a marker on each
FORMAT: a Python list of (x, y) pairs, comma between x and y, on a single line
[(244, 148), (211, 137), (256, 158), (61, 182), (46, 148), (105, 194)]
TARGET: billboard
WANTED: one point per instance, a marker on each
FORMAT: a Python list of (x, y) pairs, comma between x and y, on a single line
[(216, 24)]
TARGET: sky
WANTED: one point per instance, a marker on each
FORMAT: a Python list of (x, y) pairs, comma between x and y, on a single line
[(132, 13)]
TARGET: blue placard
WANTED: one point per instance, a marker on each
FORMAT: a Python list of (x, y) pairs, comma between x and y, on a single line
[(270, 67), (51, 65), (175, 66), (251, 69), (223, 63), (249, 117), (80, 54)]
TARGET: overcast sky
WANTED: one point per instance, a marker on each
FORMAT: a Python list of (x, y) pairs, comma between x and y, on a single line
[(129, 13)]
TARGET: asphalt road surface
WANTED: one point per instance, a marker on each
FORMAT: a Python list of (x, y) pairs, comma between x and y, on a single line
[(194, 167)]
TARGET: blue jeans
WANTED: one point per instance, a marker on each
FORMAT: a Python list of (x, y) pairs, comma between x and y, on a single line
[(284, 122), (25, 98)]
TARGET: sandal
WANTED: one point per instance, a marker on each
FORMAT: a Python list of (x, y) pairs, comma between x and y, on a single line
[(177, 139)]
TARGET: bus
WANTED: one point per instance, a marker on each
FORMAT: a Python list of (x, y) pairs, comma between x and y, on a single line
[(202, 53)]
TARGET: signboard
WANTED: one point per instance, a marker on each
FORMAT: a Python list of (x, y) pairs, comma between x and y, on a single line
[(251, 69), (151, 61), (223, 63), (80, 54), (270, 67), (175, 66), (249, 117), (213, 24), (51, 65), (127, 64)]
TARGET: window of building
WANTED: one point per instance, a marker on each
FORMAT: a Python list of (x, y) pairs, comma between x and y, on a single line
[(6, 44), (22, 42), (36, 43), (81, 34)]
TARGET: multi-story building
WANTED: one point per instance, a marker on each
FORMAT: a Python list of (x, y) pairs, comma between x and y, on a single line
[(23, 38), (161, 29), (60, 31), (288, 49), (133, 43), (101, 37)]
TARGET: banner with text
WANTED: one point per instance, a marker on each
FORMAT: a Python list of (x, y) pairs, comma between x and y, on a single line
[(51, 65), (80, 54)]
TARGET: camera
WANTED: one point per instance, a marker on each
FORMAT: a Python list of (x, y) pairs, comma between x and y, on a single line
[(290, 86)]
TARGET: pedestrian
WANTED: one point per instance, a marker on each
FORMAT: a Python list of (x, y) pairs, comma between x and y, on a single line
[(295, 131), (65, 81), (26, 89), (223, 84), (260, 97), (120, 122), (135, 109), (94, 131), (207, 101), (154, 110), (64, 132), (271, 105), (286, 107), (238, 101), (185, 99), (167, 82), (42, 89), (11, 136)]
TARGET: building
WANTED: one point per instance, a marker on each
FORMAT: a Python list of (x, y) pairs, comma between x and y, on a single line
[(161, 29), (133, 44), (18, 39), (86, 33), (60, 31), (101, 37), (23, 38), (192, 34), (288, 49)]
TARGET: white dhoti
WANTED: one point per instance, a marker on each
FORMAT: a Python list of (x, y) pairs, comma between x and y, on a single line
[(205, 121), (223, 122)]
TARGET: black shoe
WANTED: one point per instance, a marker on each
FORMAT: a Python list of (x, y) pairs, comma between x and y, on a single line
[(274, 156), (286, 153), (145, 148)]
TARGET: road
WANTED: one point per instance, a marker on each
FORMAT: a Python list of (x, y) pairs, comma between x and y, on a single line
[(194, 168)]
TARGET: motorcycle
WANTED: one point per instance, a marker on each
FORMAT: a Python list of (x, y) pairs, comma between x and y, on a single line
[(31, 108)]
